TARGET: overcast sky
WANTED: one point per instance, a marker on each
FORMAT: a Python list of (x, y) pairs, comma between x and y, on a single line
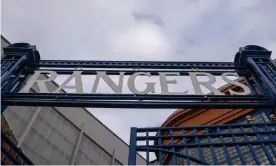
[(159, 30)]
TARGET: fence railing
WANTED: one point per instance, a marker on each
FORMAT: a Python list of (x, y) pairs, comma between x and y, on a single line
[(217, 144), (11, 154)]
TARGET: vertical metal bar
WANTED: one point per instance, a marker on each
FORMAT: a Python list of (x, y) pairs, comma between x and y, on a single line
[(245, 78), (28, 127), (251, 148), (132, 146), (8, 63), (21, 81), (240, 154), (271, 137), (3, 85), (266, 114), (263, 77), (113, 157), (228, 158), (147, 152), (265, 71), (13, 82), (211, 147), (258, 83), (7, 67), (270, 159), (77, 145), (18, 64), (160, 153), (173, 149), (199, 150), (184, 143), (3, 63), (13, 88)]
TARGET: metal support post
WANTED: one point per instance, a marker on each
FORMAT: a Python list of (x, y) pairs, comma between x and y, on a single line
[(17, 58), (132, 146), (113, 158), (13, 69), (28, 127), (257, 60), (76, 149)]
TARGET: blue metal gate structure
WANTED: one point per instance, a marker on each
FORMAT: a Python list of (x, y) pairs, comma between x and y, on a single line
[(253, 63)]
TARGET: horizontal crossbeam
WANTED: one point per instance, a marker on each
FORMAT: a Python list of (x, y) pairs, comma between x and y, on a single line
[(136, 97), (134, 101), (194, 145), (134, 104), (130, 72), (138, 64), (169, 137), (224, 126)]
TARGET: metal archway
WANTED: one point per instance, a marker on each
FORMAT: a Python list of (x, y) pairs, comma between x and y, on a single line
[(253, 63)]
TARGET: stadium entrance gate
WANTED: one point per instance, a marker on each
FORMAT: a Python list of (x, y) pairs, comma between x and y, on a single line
[(253, 63)]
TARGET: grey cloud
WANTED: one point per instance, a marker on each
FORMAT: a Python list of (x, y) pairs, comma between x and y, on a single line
[(148, 17)]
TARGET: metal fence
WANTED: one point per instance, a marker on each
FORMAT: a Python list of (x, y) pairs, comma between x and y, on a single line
[(229, 144), (10, 154)]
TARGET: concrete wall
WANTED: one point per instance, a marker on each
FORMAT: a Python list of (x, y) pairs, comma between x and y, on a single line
[(4, 43), (53, 132)]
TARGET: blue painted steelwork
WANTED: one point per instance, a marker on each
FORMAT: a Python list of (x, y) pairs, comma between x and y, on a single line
[(182, 72), (138, 64), (11, 69), (257, 60), (194, 141), (137, 101), (17, 58), (251, 62), (132, 146), (133, 104), (251, 98)]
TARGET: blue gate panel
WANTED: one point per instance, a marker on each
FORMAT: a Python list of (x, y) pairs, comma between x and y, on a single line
[(228, 144)]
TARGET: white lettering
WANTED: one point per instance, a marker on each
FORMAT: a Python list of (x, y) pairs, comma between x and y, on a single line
[(207, 84), (78, 83), (131, 84), (246, 90), (150, 86), (116, 88), (41, 83), (164, 83)]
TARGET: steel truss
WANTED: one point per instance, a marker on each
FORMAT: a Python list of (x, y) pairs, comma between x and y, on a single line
[(253, 63)]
